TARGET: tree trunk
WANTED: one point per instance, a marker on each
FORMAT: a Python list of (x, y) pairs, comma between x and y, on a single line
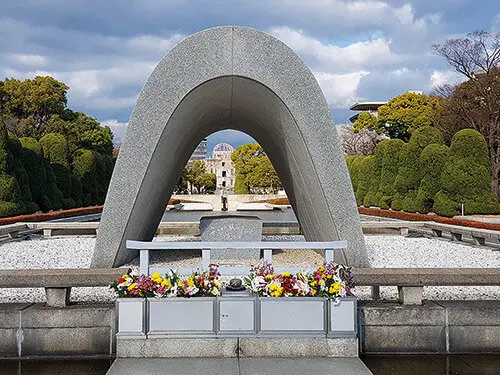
[(495, 169)]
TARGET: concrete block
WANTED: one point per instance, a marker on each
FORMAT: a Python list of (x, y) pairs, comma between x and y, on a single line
[(298, 347), (57, 297), (401, 339), (385, 313), (437, 232), (10, 314), (472, 313), (473, 339), (479, 240), (176, 347), (8, 342), (78, 315), (410, 295), (67, 341)]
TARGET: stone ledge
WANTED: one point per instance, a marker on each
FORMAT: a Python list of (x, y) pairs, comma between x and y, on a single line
[(298, 347), (172, 348), (389, 313)]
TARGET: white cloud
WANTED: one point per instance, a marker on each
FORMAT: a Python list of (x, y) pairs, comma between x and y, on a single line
[(118, 129), (152, 44), (29, 60), (333, 58), (441, 77), (340, 89)]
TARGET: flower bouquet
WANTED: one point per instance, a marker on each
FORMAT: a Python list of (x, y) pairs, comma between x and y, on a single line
[(330, 281), (198, 284)]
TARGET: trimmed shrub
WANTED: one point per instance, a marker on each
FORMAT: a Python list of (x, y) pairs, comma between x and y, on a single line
[(9, 189), (470, 144), (389, 171), (31, 144), (10, 209), (445, 206), (365, 164), (410, 201), (85, 166), (63, 179), (30, 207), (37, 176), (432, 159), (354, 171), (68, 203), (373, 195), (466, 178), (426, 135), (76, 190), (411, 171), (52, 192), (45, 203), (55, 149)]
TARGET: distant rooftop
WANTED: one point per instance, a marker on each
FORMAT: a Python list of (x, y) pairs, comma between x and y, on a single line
[(366, 106)]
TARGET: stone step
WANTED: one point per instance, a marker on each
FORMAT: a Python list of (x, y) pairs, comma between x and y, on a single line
[(239, 366)]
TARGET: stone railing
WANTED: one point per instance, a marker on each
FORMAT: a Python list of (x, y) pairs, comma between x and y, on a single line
[(478, 236), (410, 281), (58, 282), (145, 247)]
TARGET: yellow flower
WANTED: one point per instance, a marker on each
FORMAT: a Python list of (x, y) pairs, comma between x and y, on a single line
[(273, 287), (166, 283), (190, 281), (329, 276), (335, 288), (125, 276), (286, 274), (277, 292), (131, 286), (156, 275), (269, 277), (313, 292), (321, 268)]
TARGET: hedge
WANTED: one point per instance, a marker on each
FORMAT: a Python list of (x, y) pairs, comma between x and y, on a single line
[(424, 217), (466, 178), (432, 159), (389, 171), (55, 149)]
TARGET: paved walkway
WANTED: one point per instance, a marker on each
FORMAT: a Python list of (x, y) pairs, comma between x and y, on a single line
[(241, 366)]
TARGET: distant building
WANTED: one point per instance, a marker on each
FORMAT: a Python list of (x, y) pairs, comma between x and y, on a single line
[(220, 164), (371, 107)]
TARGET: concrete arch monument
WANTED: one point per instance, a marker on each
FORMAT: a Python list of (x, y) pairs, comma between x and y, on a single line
[(244, 79)]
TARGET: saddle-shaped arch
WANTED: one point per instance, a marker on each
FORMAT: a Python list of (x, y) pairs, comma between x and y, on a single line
[(244, 79)]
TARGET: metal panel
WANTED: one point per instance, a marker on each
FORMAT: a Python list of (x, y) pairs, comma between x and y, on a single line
[(293, 314), (343, 318), (131, 315), (237, 314), (186, 315)]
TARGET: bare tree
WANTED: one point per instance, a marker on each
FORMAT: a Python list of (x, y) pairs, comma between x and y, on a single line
[(478, 52), (359, 143), (444, 91)]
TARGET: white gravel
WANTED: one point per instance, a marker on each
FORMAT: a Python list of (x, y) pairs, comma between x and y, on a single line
[(383, 251)]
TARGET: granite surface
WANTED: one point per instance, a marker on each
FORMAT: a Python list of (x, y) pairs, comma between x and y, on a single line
[(240, 78)]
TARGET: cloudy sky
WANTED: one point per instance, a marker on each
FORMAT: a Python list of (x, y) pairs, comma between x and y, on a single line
[(358, 50)]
